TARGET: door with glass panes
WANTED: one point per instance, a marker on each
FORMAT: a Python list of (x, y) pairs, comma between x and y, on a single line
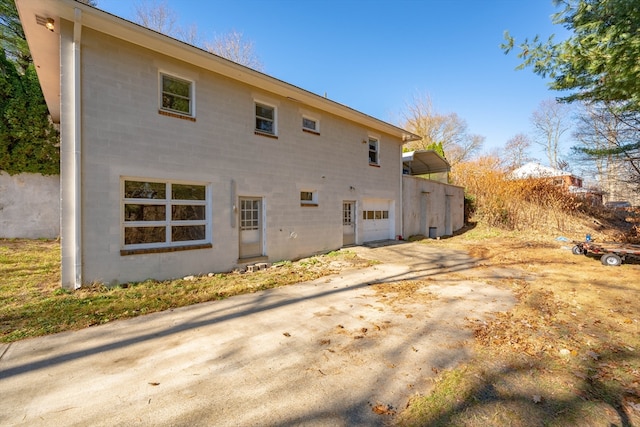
[(250, 227), (348, 223)]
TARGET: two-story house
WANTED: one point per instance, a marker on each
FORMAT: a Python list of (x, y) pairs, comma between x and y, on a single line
[(175, 161)]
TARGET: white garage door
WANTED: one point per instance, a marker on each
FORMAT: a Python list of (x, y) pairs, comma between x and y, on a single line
[(377, 223)]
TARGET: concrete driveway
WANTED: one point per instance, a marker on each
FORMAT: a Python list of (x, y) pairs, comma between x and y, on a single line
[(339, 351)]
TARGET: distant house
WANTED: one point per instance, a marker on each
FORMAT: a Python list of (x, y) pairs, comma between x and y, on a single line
[(564, 179), (175, 161)]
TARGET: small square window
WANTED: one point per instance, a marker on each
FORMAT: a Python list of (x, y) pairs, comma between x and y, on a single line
[(310, 125), (265, 119), (176, 95), (308, 198), (373, 151)]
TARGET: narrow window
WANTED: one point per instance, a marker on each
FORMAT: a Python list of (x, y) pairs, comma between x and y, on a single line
[(265, 119), (176, 95), (373, 151)]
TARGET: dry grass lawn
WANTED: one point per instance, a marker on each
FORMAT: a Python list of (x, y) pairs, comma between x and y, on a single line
[(567, 354), (32, 303)]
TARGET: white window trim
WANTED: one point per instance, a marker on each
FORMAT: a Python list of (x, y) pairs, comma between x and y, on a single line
[(168, 222), (314, 119), (376, 214), (275, 117), (377, 140), (314, 198), (192, 94)]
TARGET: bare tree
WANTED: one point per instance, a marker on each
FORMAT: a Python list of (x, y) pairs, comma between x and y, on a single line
[(550, 121), (158, 16), (516, 151), (234, 47), (449, 130), (608, 140), (465, 150)]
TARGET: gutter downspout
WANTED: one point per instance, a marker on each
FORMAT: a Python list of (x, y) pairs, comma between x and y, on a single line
[(400, 210), (77, 146)]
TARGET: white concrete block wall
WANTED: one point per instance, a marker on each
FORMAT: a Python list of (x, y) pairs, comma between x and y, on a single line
[(123, 135), (29, 206), (425, 206)]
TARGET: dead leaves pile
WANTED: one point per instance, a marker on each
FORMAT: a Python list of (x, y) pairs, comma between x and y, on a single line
[(395, 292), (382, 409), (543, 331), (531, 329)]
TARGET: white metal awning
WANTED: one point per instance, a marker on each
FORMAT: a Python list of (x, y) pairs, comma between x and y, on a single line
[(423, 162)]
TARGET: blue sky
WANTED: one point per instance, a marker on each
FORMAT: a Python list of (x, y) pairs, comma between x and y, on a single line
[(376, 55)]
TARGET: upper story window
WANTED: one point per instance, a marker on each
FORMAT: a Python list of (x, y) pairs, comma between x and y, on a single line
[(176, 95), (374, 151), (310, 125), (161, 214), (265, 119)]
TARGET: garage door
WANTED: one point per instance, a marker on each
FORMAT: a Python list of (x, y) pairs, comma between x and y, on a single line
[(377, 221)]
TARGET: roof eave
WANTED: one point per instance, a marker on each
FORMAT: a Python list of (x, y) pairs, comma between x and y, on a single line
[(46, 50)]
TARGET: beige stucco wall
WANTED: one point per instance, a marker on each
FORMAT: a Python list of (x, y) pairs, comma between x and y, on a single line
[(430, 204), (29, 206), (124, 136)]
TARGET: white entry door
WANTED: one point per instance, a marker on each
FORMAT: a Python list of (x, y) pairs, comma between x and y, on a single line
[(250, 227), (348, 223)]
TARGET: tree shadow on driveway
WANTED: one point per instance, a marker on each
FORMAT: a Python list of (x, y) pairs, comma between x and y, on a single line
[(332, 351)]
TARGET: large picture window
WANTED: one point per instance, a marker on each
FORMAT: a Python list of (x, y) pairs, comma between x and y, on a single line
[(176, 95), (159, 214)]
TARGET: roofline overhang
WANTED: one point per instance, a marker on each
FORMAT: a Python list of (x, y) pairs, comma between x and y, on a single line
[(45, 50)]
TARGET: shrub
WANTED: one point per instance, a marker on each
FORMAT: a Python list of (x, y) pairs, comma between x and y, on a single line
[(512, 204)]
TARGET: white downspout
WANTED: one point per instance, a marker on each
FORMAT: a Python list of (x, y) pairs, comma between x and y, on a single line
[(400, 210), (77, 147)]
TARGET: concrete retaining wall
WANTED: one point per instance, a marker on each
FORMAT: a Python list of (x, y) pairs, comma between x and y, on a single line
[(430, 208), (29, 206)]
